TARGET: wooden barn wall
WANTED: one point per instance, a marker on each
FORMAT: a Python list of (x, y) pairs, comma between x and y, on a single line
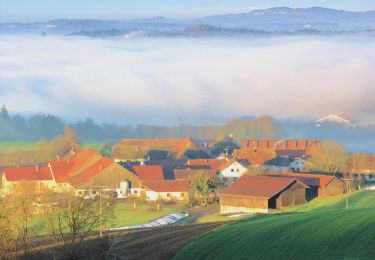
[(243, 201), (335, 187), (293, 195), (111, 177)]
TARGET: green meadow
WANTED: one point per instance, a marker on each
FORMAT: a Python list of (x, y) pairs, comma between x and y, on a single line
[(9, 146), (322, 229), (124, 215)]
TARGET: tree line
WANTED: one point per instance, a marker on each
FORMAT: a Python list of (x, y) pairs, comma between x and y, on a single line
[(45, 126)]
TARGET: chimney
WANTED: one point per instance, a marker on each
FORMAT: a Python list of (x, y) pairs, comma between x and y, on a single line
[(58, 157), (100, 167), (36, 168)]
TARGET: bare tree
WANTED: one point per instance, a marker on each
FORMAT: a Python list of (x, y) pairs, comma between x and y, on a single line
[(72, 220), (330, 157), (22, 199), (8, 229)]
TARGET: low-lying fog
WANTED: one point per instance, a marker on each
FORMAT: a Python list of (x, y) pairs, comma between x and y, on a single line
[(167, 81)]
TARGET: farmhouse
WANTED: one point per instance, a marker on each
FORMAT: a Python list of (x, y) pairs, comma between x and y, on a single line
[(320, 185), (169, 190), (158, 149), (232, 170), (41, 177), (251, 194)]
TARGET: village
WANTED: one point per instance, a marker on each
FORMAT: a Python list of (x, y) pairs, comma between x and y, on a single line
[(258, 177), (148, 183)]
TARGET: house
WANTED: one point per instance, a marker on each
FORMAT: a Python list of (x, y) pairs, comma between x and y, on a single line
[(281, 147), (40, 176), (223, 146), (339, 118), (80, 169), (232, 170), (187, 173), (213, 164), (261, 194), (166, 190), (158, 149), (297, 164), (320, 185), (278, 164)]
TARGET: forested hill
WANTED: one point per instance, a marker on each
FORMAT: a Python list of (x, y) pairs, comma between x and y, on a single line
[(36, 127)]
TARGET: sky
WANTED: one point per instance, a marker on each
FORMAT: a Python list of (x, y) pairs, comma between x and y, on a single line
[(35, 10), (171, 81)]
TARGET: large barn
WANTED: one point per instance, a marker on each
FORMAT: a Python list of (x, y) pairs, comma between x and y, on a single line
[(158, 149), (251, 194), (320, 185)]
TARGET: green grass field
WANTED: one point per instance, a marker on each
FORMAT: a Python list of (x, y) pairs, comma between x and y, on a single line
[(322, 229), (124, 212), (9, 146)]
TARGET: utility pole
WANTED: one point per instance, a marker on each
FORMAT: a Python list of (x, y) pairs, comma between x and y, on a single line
[(100, 210), (347, 191)]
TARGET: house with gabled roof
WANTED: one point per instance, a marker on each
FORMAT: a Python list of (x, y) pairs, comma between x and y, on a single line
[(261, 194), (338, 118), (41, 176), (166, 190), (232, 170)]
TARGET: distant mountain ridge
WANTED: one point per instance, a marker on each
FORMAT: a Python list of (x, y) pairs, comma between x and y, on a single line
[(278, 19)]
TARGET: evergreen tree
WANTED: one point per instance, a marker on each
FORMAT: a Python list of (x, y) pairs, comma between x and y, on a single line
[(4, 113)]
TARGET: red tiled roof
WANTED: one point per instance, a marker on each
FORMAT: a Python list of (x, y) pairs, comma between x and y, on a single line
[(60, 171), (79, 167), (320, 180), (213, 163), (91, 172), (230, 162), (167, 186), (149, 172), (258, 186), (139, 148), (28, 173), (180, 174)]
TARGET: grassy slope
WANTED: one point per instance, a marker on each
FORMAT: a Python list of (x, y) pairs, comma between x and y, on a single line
[(320, 230), (124, 212)]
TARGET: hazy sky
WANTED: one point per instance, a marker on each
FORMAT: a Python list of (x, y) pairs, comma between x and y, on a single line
[(24, 10), (168, 81)]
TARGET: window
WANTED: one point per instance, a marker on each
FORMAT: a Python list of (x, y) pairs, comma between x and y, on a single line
[(237, 170), (232, 170), (182, 194), (135, 191), (168, 195)]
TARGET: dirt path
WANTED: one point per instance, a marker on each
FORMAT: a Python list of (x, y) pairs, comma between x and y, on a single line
[(195, 213)]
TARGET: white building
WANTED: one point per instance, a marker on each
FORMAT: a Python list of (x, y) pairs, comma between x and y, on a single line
[(167, 190), (232, 171)]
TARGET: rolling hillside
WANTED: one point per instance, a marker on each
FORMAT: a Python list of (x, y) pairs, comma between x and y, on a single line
[(320, 230)]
